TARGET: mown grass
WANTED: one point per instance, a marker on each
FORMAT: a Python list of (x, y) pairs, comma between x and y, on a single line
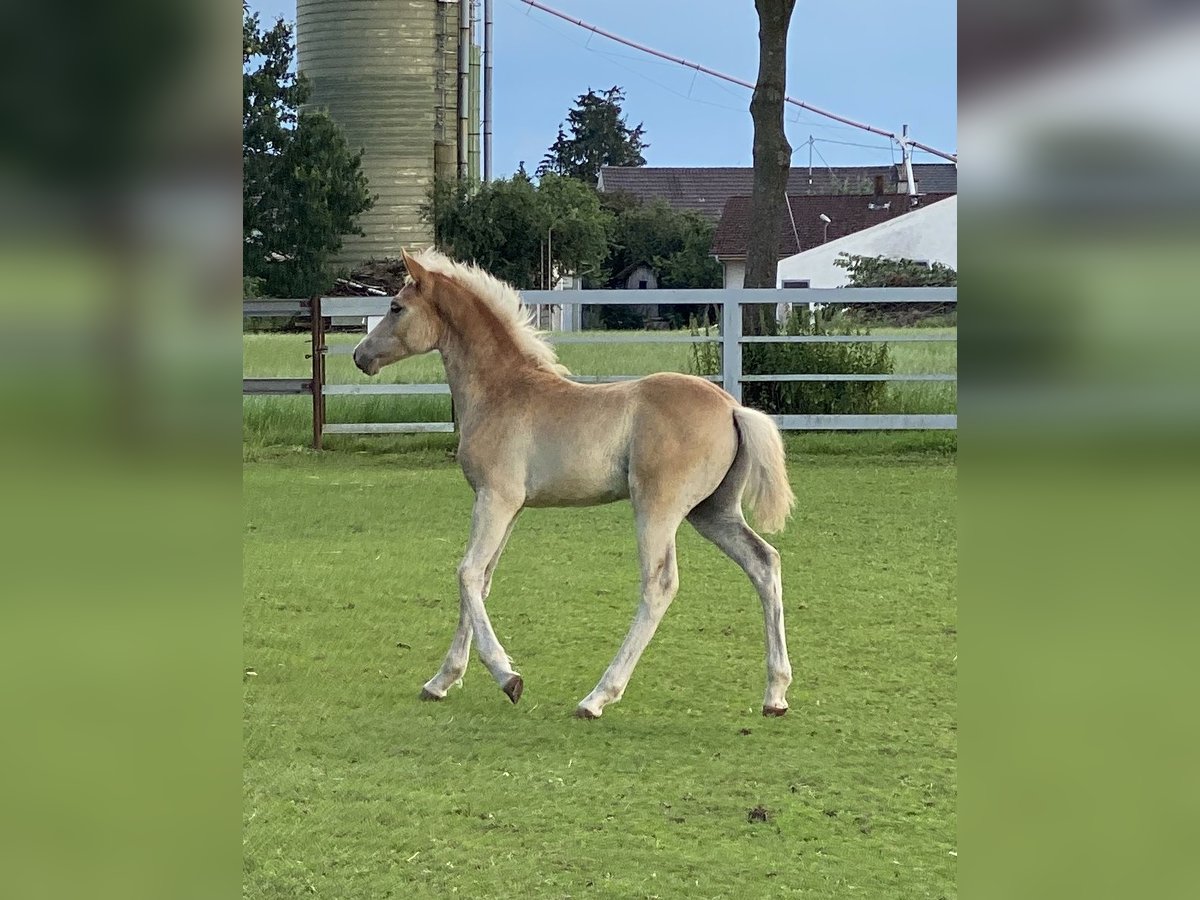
[(355, 789), (271, 421)]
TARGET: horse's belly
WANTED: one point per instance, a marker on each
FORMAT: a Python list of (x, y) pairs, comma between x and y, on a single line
[(576, 476), (577, 490)]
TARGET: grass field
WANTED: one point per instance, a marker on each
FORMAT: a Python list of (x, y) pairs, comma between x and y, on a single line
[(355, 789), (287, 420)]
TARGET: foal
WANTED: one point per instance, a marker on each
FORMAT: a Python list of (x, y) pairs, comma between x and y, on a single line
[(676, 446)]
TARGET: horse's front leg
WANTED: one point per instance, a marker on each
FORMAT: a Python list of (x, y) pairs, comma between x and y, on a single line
[(455, 663), (491, 522)]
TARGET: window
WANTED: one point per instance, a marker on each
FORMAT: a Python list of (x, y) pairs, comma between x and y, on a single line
[(794, 283), (642, 285)]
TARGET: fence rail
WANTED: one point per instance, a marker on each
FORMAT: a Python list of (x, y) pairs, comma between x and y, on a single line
[(731, 340)]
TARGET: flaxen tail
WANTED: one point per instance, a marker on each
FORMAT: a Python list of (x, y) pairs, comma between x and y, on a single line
[(768, 493)]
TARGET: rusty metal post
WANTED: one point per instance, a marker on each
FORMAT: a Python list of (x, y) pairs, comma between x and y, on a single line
[(318, 371)]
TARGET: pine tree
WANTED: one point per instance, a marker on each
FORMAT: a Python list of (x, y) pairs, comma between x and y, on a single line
[(599, 136)]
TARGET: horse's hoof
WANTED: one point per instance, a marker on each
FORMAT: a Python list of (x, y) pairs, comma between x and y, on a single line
[(427, 694), (514, 687), (774, 712), (582, 712)]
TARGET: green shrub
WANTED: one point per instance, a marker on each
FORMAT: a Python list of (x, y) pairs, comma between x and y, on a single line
[(805, 397), (614, 318)]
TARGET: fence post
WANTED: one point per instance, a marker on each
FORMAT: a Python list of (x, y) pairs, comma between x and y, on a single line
[(317, 330), (731, 346)]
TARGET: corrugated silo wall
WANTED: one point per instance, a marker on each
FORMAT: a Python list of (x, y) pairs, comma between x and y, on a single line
[(386, 72)]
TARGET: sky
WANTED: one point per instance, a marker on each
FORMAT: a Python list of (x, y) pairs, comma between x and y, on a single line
[(877, 62)]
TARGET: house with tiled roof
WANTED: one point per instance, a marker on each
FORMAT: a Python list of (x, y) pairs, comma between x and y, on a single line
[(928, 234), (808, 221), (706, 190)]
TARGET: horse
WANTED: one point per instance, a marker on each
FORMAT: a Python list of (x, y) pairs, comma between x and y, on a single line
[(674, 445)]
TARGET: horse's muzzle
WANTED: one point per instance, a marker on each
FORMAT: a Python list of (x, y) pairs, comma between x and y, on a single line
[(361, 363)]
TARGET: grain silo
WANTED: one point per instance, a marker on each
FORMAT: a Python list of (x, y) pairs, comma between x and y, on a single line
[(387, 71)]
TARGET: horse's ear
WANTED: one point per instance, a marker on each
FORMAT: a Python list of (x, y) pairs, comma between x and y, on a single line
[(415, 270)]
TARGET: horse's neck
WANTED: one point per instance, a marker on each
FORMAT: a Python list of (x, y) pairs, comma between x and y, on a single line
[(476, 373)]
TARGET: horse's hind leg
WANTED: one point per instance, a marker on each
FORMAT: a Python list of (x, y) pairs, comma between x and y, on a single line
[(720, 520), (455, 663), (660, 581)]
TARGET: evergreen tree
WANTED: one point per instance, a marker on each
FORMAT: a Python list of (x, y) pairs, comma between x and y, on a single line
[(599, 136)]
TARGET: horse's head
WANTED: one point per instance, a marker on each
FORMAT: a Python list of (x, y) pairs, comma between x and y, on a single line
[(412, 324)]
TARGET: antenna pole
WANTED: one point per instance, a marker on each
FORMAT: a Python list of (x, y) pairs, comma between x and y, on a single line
[(906, 149)]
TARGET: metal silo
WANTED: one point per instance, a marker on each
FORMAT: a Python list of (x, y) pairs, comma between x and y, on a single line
[(387, 72)]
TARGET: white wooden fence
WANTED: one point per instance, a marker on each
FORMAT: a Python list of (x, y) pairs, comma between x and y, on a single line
[(730, 338)]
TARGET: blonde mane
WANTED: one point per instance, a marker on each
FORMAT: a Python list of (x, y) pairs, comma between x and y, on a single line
[(503, 299)]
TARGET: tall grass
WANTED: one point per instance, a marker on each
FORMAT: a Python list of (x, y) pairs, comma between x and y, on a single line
[(922, 358)]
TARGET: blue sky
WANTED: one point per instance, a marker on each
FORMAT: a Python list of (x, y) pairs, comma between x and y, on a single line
[(873, 61)]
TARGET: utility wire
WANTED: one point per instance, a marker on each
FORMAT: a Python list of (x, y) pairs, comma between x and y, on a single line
[(533, 4)]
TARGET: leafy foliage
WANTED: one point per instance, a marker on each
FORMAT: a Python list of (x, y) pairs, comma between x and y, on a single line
[(675, 244), (599, 136), (505, 225), (806, 397), (878, 271), (302, 187)]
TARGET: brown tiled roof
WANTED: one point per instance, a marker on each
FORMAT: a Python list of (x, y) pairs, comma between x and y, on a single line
[(705, 190), (848, 213)]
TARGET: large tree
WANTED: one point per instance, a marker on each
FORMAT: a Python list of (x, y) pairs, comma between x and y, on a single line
[(599, 136), (302, 187), (508, 225), (772, 152)]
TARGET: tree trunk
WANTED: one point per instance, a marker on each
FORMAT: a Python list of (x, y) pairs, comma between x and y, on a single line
[(772, 154)]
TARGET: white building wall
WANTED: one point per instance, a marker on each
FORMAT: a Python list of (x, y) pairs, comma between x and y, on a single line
[(735, 272), (928, 234)]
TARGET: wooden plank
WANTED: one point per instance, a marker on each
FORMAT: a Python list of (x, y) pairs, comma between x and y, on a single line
[(276, 385), (849, 378), (268, 307), (386, 427), (375, 389), (866, 423), (632, 337), (850, 339), (676, 296), (355, 306)]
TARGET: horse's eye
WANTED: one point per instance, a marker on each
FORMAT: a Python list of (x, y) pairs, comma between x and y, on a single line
[(397, 308)]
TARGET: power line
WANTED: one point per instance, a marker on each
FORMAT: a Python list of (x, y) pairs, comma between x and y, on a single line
[(854, 144), (533, 4), (616, 59)]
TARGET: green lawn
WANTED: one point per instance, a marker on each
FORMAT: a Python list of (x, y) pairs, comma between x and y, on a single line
[(355, 789), (287, 420)]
